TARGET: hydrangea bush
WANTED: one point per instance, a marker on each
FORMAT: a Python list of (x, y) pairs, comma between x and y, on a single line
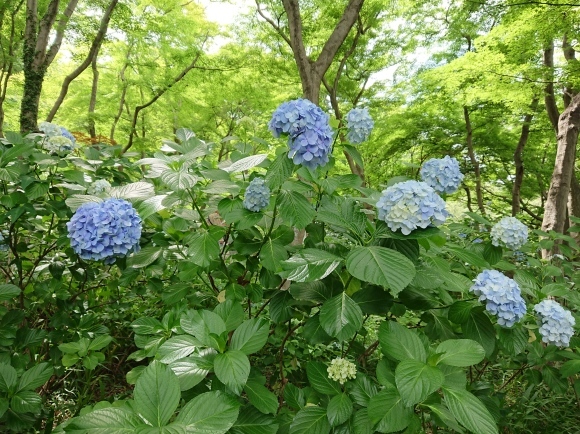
[(359, 125), (442, 174), (57, 140), (410, 205), (509, 232), (310, 315)]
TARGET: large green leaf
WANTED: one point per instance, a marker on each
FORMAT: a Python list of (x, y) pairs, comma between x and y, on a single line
[(295, 209), (341, 317), (250, 336), (105, 421), (362, 390), (381, 266), (8, 291), (460, 352), (26, 401), (310, 265), (373, 300), (176, 348), (203, 248), (480, 329), (202, 323), (157, 394), (468, 256), (469, 411), (400, 343), (178, 180), (210, 412), (272, 254), (8, 377), (188, 372), (35, 377), (310, 420), (339, 409), (318, 378), (251, 421), (388, 412), (144, 257), (260, 397), (279, 171), (514, 340), (416, 380), (231, 312), (232, 368)]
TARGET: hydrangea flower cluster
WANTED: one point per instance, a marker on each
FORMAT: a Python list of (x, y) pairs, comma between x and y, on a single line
[(556, 323), (57, 140), (257, 196), (510, 232), (99, 186), (410, 205), (105, 230), (359, 124), (442, 174), (308, 131), (502, 296), (341, 370)]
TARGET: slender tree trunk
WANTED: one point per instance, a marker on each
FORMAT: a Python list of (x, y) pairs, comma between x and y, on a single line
[(473, 159), (93, 100), (93, 53), (555, 208), (518, 158), (549, 97), (574, 205)]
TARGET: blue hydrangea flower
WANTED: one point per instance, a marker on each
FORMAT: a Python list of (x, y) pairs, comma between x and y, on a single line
[(359, 124), (105, 230), (50, 130), (556, 323), (477, 241), (99, 186), (442, 174), (410, 205), (257, 196), (502, 296), (308, 131), (509, 232), (66, 133)]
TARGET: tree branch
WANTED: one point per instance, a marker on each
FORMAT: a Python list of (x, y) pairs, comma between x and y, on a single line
[(51, 54)]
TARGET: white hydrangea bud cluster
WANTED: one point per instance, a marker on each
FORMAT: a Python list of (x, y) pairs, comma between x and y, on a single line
[(341, 370)]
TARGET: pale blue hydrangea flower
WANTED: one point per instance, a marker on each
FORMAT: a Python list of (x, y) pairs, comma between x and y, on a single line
[(442, 174), (359, 124), (410, 205), (105, 230), (502, 296), (66, 133), (50, 130), (99, 186), (556, 323), (477, 241), (509, 232), (57, 145), (308, 131), (257, 196)]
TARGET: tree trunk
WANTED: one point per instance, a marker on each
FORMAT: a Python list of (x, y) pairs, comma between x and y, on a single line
[(93, 100), (93, 53), (518, 158), (474, 162), (549, 98), (37, 58), (555, 208), (574, 205)]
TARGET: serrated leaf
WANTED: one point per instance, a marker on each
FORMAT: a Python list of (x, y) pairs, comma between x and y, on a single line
[(250, 336), (514, 340), (469, 411), (279, 171), (150, 206), (245, 163), (272, 254), (310, 420), (373, 300), (35, 377), (381, 266), (232, 368), (210, 412), (178, 180), (203, 248), (417, 380), (309, 265), (231, 312), (341, 317), (188, 372), (295, 209), (294, 396), (460, 352), (177, 347), (26, 401), (387, 411), (201, 324), (157, 394), (318, 377), (8, 291), (76, 200), (400, 343), (105, 421), (8, 377), (362, 390), (339, 409), (479, 328), (134, 190), (144, 257), (261, 398)]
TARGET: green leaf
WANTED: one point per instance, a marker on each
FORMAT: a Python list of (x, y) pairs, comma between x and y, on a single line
[(105, 421), (341, 317), (460, 311), (232, 368), (381, 266), (245, 163), (295, 209), (250, 336), (150, 206), (178, 180), (100, 342), (8, 291), (373, 300), (231, 312), (280, 307), (310, 265), (210, 412), (387, 411), (468, 256), (318, 377), (203, 248), (36, 190), (469, 411), (26, 401), (571, 367), (339, 409), (294, 396), (35, 377), (188, 372), (272, 254), (201, 323), (400, 343), (480, 329), (4, 405), (492, 254), (144, 257), (362, 390), (310, 420), (135, 190), (157, 394), (514, 340), (176, 348), (361, 423), (261, 398), (317, 291), (460, 352), (251, 421), (8, 377), (279, 171), (416, 380)]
